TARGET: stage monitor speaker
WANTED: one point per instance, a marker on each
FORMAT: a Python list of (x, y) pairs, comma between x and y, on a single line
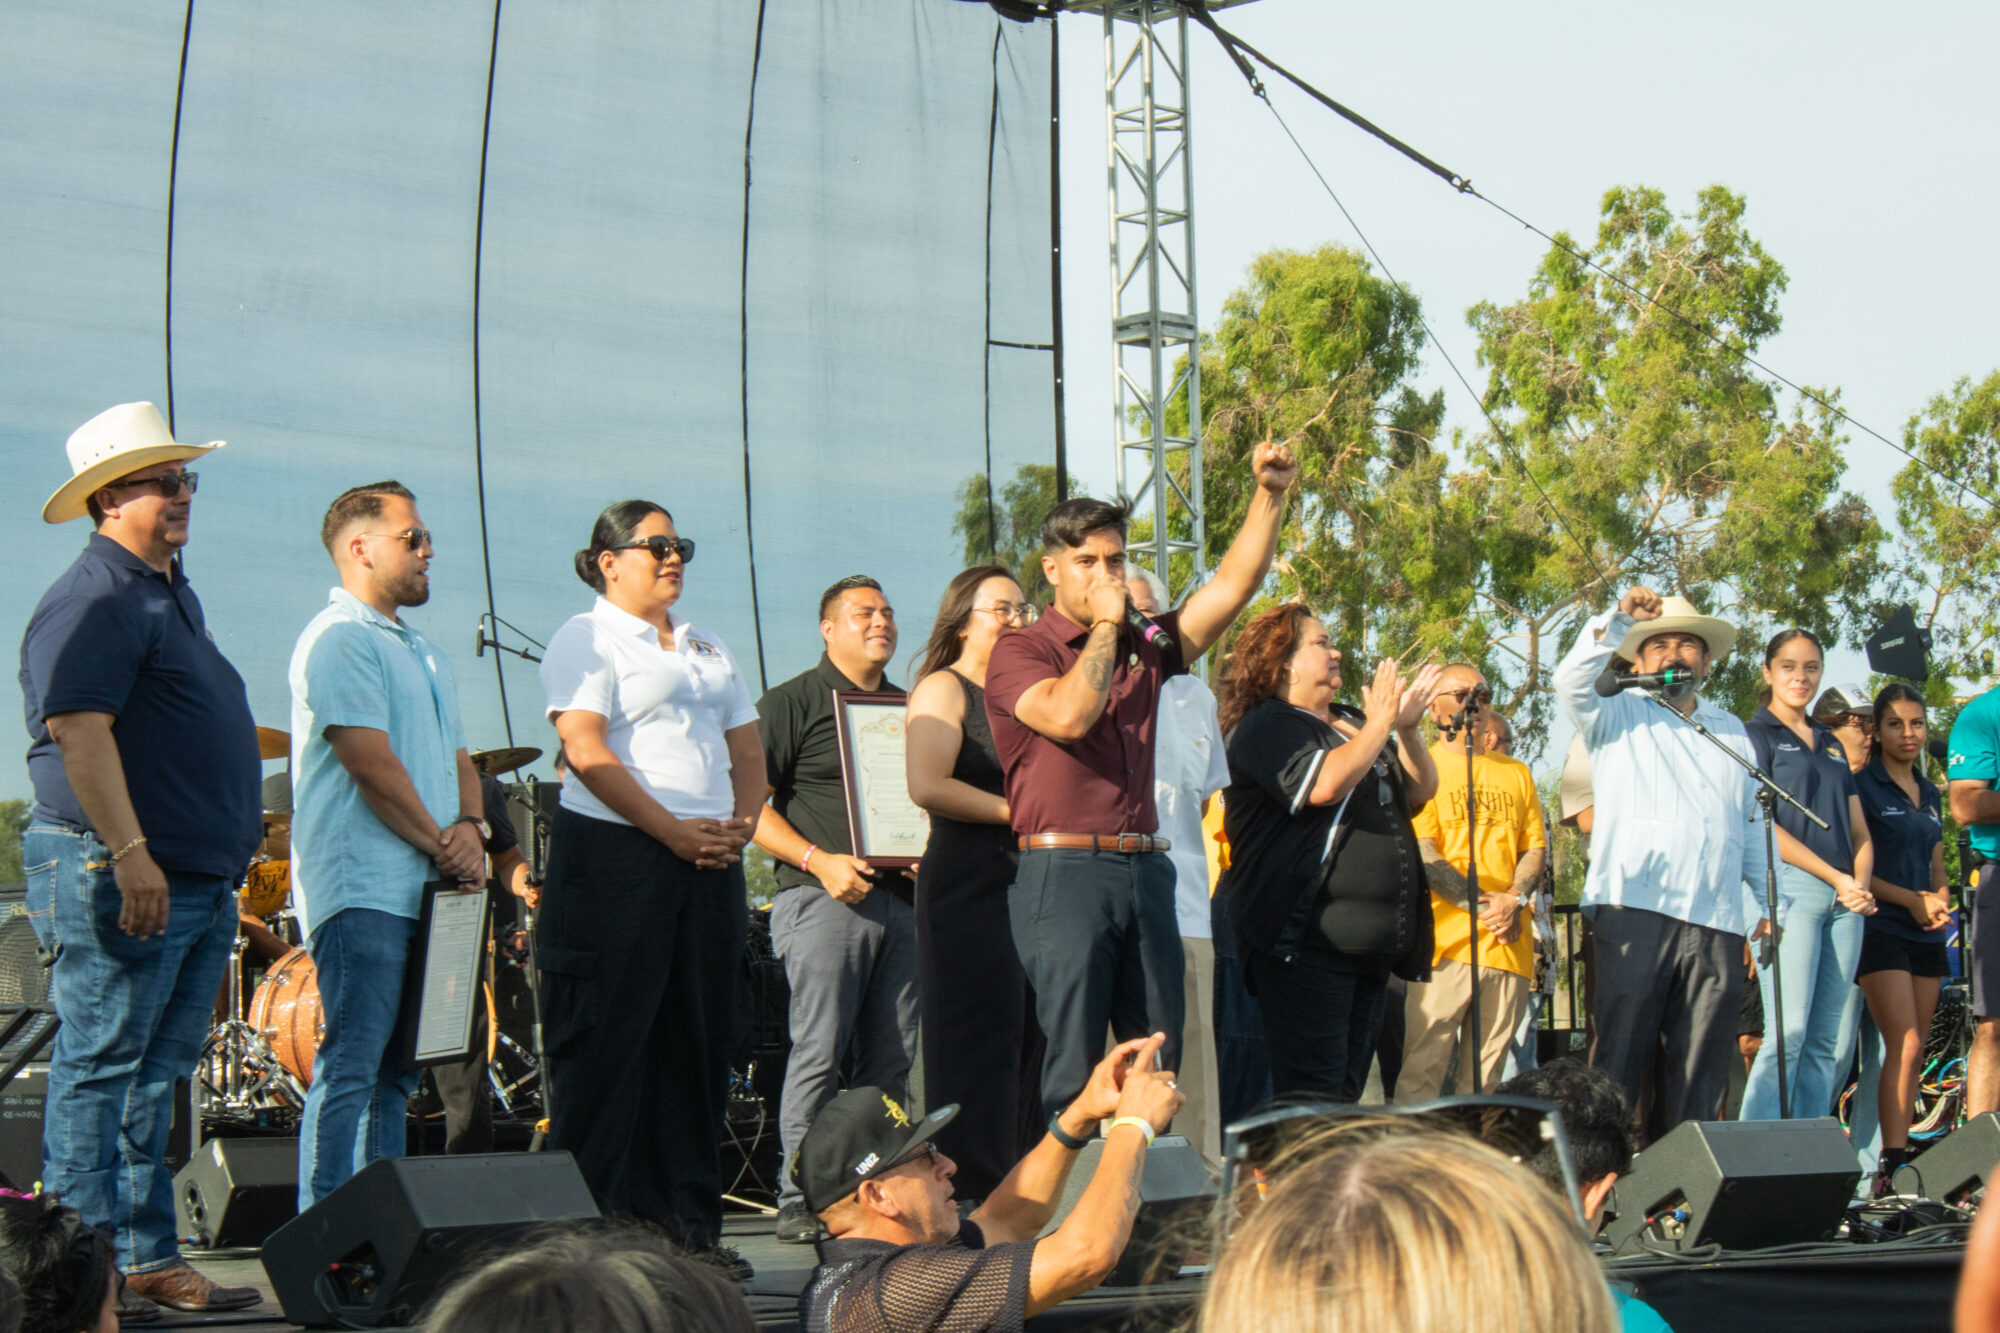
[(236, 1192), (1955, 1166), (1174, 1191), (21, 1127), (1740, 1184), (375, 1250)]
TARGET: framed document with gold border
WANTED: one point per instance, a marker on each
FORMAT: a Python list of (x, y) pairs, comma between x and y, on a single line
[(888, 829)]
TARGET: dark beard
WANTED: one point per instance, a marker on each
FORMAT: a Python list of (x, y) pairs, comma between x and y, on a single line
[(410, 590)]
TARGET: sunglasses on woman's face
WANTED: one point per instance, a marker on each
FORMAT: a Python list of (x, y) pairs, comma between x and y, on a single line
[(1254, 1150), (662, 547)]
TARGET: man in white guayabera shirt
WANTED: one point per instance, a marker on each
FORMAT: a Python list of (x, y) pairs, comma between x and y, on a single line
[(1673, 841)]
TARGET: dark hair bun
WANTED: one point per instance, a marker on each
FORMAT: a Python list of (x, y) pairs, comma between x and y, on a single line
[(587, 570)]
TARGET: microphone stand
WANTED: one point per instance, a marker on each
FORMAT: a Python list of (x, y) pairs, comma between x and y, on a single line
[(1466, 722), (1769, 793)]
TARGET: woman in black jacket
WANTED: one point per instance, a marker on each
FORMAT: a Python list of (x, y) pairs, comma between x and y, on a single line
[(1325, 887)]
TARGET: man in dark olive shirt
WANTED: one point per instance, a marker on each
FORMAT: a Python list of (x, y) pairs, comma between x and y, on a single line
[(147, 811), (846, 933), (1073, 700)]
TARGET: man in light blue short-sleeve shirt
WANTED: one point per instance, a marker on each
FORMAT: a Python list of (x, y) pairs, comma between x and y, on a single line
[(385, 800)]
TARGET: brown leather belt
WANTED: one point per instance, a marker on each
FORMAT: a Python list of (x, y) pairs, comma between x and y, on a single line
[(1130, 844)]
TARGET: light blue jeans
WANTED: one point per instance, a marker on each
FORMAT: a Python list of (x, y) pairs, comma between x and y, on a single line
[(357, 1107), (1818, 953), (133, 1014)]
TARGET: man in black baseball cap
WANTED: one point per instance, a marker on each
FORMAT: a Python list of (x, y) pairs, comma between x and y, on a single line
[(899, 1256)]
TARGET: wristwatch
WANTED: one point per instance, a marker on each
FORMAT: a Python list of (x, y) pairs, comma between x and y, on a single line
[(485, 829)]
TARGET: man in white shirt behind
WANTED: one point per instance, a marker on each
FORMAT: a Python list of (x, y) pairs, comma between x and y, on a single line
[(1188, 768), (1674, 836)]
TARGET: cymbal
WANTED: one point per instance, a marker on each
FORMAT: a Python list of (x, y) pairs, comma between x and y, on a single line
[(495, 762), (273, 744)]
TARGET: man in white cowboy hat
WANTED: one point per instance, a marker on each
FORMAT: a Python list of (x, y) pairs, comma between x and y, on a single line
[(147, 811), (1674, 839)]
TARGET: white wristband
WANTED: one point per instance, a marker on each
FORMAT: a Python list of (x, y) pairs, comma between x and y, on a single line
[(1140, 1123)]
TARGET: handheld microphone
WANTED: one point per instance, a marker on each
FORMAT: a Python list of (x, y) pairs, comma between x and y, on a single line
[(1148, 628), (1614, 682)]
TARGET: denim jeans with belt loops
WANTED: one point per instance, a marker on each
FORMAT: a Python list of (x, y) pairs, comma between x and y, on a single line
[(1819, 950), (133, 1016)]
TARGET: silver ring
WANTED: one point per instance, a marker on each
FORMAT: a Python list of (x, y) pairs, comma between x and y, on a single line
[(1175, 1086)]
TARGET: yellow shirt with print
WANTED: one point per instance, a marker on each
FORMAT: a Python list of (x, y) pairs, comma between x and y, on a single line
[(1510, 823)]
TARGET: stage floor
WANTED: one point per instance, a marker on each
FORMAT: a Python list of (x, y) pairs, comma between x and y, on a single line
[(1862, 1288)]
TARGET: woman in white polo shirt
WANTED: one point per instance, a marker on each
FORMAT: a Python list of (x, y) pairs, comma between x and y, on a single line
[(643, 917)]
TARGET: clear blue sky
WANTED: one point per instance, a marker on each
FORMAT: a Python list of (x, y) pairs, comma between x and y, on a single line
[(1861, 137)]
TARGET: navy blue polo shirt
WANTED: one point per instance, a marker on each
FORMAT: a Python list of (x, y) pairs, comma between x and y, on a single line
[(1905, 836), (1818, 777), (114, 635)]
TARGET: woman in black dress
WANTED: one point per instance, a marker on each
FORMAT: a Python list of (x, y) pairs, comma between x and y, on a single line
[(1325, 886), (981, 1045)]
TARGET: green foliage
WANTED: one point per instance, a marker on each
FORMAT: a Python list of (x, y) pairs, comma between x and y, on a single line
[(1005, 527), (14, 817), (1945, 562), (760, 876), (1667, 453), (1316, 350)]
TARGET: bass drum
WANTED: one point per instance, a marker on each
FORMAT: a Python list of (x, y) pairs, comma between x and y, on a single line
[(286, 1013)]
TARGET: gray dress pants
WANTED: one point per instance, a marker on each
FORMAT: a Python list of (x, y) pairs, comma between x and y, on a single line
[(1664, 1001), (853, 974)]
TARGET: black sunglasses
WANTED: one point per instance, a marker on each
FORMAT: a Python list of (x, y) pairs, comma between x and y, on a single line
[(169, 483), (661, 547), (1516, 1127), (928, 1148)]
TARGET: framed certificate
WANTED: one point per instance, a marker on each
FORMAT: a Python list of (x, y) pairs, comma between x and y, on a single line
[(441, 989), (889, 830)]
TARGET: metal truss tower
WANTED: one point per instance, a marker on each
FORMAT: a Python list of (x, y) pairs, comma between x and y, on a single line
[(1150, 176)]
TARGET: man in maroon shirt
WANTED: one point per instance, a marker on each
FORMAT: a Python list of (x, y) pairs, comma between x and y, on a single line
[(1072, 699)]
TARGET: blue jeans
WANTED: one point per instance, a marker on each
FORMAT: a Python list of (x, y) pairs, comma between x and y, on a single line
[(1818, 954), (134, 1013), (357, 1106)]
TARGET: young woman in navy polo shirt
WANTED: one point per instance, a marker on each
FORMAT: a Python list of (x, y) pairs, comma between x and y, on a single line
[(1903, 958), (1822, 890)]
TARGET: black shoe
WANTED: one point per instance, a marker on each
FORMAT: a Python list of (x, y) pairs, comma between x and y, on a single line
[(727, 1261), (797, 1226)]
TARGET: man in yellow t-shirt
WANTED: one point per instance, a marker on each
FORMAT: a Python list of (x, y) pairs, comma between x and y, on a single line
[(1512, 846)]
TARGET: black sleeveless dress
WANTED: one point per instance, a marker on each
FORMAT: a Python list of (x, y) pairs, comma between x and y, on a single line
[(982, 1046)]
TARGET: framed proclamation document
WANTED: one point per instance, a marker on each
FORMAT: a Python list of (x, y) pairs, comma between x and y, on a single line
[(442, 988), (889, 830)]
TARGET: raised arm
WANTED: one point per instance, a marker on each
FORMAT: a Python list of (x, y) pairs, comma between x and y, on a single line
[(1576, 675), (1211, 608), (1064, 708), (1078, 1254)]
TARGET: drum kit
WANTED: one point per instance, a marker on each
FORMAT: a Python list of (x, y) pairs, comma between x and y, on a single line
[(257, 1062)]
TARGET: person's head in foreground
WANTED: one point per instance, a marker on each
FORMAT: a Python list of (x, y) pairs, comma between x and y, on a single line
[(1596, 1121), (593, 1277), (64, 1269), (1380, 1224)]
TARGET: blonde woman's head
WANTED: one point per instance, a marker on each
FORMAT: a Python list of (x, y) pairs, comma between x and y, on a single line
[(1403, 1228)]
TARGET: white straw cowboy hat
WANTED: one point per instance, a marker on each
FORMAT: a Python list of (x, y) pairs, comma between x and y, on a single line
[(115, 443), (1678, 616)]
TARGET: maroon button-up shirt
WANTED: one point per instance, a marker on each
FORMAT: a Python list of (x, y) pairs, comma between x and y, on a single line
[(1102, 783)]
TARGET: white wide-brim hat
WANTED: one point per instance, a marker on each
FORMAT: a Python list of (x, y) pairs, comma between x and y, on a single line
[(115, 443), (1678, 616)]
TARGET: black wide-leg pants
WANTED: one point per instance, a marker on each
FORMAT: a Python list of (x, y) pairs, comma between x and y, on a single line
[(640, 954)]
